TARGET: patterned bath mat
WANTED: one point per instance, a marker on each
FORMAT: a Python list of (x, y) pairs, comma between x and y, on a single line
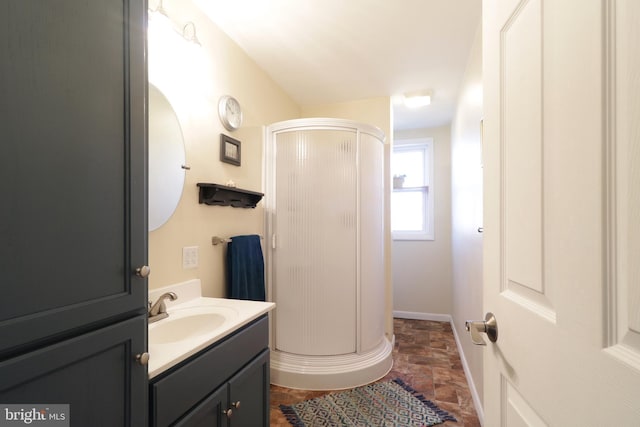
[(392, 404)]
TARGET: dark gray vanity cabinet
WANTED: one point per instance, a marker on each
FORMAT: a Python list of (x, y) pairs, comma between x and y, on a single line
[(73, 212), (94, 373), (226, 384), (211, 412)]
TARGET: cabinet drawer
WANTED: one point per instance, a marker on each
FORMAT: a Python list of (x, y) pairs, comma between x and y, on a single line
[(184, 386)]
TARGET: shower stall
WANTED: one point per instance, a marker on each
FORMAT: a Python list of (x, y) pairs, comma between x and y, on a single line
[(325, 258)]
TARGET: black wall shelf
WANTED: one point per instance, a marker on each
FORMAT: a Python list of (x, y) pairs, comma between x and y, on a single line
[(221, 195)]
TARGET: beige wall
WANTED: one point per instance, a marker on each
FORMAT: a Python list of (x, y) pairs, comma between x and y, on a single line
[(193, 79), (467, 213), (376, 112), (422, 268), (373, 111)]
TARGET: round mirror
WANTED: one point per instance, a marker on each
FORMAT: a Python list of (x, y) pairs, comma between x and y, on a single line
[(166, 159)]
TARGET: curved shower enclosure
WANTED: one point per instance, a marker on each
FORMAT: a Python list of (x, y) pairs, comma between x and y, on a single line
[(325, 262)]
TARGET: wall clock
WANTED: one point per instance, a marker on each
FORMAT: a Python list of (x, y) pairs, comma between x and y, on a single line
[(230, 112)]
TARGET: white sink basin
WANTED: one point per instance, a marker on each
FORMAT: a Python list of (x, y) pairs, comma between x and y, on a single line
[(194, 323), (188, 323)]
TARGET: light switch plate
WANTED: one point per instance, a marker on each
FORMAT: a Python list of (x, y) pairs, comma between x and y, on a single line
[(189, 257)]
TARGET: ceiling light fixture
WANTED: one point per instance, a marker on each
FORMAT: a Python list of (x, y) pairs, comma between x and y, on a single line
[(417, 99)]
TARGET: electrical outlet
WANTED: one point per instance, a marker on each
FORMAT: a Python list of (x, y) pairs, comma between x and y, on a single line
[(189, 257)]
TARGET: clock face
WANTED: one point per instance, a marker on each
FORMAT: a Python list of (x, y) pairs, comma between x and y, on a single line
[(230, 112)]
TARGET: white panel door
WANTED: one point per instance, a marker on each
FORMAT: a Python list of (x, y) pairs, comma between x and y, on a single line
[(562, 212)]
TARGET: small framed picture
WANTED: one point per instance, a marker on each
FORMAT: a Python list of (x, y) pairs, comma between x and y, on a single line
[(229, 150)]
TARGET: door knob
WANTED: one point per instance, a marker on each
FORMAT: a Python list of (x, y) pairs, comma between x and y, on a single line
[(489, 326)]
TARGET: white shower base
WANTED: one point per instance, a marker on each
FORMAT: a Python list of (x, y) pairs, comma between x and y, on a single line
[(331, 372)]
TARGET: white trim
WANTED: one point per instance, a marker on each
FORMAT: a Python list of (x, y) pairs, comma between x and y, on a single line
[(467, 373), (426, 145), (400, 236), (327, 123), (465, 366), (422, 316)]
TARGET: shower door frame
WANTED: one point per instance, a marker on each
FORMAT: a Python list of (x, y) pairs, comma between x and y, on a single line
[(269, 178)]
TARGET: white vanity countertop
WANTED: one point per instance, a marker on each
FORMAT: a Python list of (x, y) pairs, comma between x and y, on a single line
[(233, 314)]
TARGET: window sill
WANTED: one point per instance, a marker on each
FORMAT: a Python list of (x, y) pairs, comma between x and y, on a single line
[(401, 189), (398, 236)]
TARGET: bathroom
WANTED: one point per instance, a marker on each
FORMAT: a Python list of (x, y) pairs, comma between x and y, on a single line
[(549, 205), (572, 54), (264, 102), (98, 290)]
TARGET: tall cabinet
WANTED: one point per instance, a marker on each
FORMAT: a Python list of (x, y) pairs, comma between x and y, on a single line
[(73, 211)]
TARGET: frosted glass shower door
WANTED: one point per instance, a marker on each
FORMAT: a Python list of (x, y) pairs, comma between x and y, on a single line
[(315, 261)]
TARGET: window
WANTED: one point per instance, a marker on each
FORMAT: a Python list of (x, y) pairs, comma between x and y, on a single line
[(412, 197)]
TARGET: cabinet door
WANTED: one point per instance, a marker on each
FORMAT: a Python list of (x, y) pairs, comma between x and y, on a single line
[(96, 374), (249, 394), (72, 166), (211, 412)]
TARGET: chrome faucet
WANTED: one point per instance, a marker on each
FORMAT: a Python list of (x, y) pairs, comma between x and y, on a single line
[(158, 310)]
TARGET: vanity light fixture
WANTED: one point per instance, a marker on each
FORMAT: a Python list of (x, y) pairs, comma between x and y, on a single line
[(417, 99), (188, 31), (160, 10)]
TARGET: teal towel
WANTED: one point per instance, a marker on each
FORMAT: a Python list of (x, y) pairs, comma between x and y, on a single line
[(245, 268)]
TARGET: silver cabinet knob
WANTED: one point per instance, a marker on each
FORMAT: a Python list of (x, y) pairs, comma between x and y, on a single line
[(228, 412), (143, 271), (236, 404), (488, 326), (142, 359)]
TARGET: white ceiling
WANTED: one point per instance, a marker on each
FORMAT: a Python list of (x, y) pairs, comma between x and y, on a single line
[(327, 51)]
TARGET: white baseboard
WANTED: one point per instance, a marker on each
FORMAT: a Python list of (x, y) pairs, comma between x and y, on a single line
[(467, 373), (422, 316), (465, 366)]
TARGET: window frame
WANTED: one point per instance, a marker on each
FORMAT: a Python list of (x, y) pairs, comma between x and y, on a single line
[(426, 146)]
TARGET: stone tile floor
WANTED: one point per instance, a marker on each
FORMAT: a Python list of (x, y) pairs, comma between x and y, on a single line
[(425, 357)]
